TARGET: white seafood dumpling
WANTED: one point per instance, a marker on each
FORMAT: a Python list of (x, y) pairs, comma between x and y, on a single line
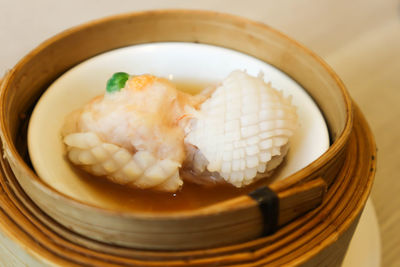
[(242, 130)]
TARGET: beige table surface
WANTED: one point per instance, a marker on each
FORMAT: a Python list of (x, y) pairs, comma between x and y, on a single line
[(360, 39)]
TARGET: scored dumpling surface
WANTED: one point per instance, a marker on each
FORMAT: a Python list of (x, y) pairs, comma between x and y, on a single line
[(141, 169), (242, 126)]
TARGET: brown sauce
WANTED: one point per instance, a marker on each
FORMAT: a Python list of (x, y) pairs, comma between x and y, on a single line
[(190, 86), (191, 196)]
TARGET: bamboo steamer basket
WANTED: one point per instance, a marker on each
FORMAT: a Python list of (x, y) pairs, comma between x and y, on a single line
[(59, 230)]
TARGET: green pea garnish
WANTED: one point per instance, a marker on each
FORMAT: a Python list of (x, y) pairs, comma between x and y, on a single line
[(117, 82)]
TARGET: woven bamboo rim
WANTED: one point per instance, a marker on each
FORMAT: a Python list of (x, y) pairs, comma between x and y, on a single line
[(45, 63)]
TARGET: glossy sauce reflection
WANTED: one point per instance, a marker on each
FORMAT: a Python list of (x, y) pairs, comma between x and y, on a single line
[(191, 196)]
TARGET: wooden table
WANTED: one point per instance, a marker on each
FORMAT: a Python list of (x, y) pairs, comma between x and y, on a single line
[(360, 39)]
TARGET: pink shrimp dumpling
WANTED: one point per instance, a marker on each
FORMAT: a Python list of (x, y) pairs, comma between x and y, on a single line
[(131, 136)]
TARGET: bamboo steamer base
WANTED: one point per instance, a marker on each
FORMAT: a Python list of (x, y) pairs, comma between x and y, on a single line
[(319, 238)]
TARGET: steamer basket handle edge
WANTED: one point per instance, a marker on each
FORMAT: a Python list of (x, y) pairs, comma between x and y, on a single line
[(277, 209)]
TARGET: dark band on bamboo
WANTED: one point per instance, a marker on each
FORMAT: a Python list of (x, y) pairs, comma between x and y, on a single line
[(268, 203)]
